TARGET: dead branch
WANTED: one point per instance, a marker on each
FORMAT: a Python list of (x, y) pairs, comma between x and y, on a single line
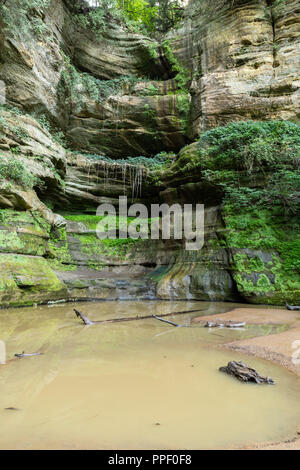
[(87, 321)]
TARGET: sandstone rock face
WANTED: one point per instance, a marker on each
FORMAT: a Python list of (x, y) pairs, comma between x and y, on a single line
[(26, 277), (199, 275), (39, 78), (129, 123), (33, 160), (228, 267), (245, 60), (31, 72), (22, 134), (119, 96), (104, 271), (117, 53), (90, 182), (241, 56)]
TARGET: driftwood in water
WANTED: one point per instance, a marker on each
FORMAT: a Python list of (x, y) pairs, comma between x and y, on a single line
[(167, 321), (293, 308), (28, 355), (87, 321), (243, 372), (224, 324)]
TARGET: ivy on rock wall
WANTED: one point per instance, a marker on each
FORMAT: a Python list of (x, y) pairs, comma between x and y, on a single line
[(256, 163)]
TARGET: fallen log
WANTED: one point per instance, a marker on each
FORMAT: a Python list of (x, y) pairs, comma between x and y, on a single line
[(243, 372), (225, 324), (167, 321), (293, 308), (88, 322), (84, 318)]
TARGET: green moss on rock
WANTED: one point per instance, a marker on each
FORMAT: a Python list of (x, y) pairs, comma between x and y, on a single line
[(265, 256), (26, 280)]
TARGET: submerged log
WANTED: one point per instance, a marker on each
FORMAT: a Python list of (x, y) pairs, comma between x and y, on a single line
[(87, 321), (27, 355), (293, 308), (224, 324), (243, 372), (167, 321)]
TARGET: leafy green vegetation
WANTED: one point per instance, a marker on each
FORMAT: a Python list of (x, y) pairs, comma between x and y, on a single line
[(150, 114), (56, 134), (182, 79), (255, 163), (182, 76), (252, 163), (160, 160), (14, 171), (22, 17), (92, 245), (151, 17), (255, 234), (264, 230), (254, 168), (183, 104), (59, 256), (151, 90)]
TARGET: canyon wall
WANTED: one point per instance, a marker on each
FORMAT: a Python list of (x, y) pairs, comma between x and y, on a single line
[(71, 97)]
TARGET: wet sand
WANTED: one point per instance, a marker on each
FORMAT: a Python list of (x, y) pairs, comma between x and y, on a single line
[(278, 348)]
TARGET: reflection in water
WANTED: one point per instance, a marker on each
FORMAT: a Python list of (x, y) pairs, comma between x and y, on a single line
[(107, 386)]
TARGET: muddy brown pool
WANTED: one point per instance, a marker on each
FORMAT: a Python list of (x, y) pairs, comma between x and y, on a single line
[(136, 385)]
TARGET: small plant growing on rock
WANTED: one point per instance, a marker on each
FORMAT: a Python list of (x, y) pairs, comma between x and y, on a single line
[(13, 170)]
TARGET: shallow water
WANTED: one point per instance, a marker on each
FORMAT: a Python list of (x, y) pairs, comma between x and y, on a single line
[(136, 385)]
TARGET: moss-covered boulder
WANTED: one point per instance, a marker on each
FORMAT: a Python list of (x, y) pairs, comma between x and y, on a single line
[(265, 256), (28, 280), (24, 233)]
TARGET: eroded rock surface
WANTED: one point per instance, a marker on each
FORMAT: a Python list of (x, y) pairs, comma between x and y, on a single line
[(126, 95), (244, 56)]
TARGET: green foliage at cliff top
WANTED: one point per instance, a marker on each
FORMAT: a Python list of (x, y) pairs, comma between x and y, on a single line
[(145, 16)]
